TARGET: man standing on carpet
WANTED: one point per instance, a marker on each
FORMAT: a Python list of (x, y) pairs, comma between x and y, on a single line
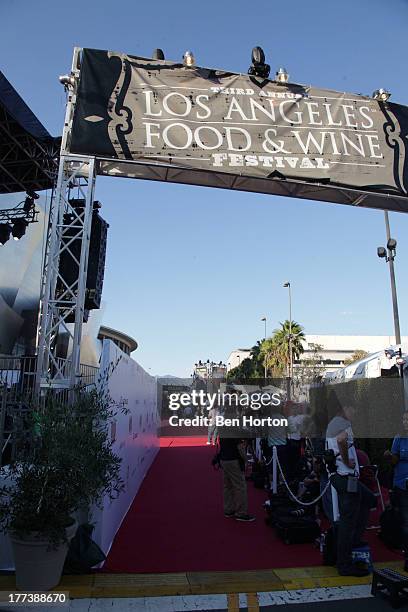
[(232, 458), (212, 428), (354, 499)]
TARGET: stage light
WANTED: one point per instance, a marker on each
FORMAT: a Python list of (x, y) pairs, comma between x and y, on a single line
[(381, 94), (32, 194), (28, 204), (19, 228), (5, 231), (391, 244), (67, 80), (189, 59), (282, 76), (258, 67), (381, 252), (158, 54)]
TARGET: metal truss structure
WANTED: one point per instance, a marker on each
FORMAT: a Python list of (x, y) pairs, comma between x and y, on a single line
[(9, 215), (26, 162), (62, 303)]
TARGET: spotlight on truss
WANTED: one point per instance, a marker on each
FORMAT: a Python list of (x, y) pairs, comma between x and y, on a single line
[(158, 54), (258, 67), (5, 231), (282, 76), (189, 59), (381, 94), (19, 228)]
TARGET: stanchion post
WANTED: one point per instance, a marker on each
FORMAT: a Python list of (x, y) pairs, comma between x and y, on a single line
[(274, 470)]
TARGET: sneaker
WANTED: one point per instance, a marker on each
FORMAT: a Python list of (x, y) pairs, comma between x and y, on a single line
[(229, 514), (353, 571), (246, 518), (208, 443)]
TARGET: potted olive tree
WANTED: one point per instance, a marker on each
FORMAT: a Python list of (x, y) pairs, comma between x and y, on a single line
[(66, 464)]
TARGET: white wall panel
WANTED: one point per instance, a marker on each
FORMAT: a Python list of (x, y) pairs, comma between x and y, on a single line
[(134, 434)]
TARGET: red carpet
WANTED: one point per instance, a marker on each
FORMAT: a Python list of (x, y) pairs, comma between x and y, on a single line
[(176, 522)]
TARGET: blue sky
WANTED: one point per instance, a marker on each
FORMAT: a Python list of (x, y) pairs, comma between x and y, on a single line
[(191, 271)]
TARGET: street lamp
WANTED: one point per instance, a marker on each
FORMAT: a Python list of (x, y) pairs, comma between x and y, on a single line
[(290, 369), (265, 368), (389, 258)]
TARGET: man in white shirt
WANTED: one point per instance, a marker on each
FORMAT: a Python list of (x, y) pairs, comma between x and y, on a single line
[(340, 439), (354, 499)]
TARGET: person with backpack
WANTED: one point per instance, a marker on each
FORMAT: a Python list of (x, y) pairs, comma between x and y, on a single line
[(399, 458), (354, 499)]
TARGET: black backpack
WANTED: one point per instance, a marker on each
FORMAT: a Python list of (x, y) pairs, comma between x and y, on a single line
[(277, 500), (83, 552), (294, 530)]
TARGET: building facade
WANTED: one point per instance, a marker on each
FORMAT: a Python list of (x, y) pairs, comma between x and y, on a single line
[(336, 350), (328, 352), (236, 357)]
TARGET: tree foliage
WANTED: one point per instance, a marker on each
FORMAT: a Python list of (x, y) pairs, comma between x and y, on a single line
[(271, 352), (68, 465), (275, 351), (356, 356)]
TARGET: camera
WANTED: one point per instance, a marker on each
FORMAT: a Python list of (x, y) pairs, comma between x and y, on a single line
[(329, 458)]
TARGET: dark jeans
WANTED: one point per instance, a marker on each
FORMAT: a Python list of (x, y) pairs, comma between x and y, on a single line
[(400, 499), (354, 509)]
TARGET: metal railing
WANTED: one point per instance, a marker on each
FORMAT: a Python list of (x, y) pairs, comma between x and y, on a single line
[(18, 395)]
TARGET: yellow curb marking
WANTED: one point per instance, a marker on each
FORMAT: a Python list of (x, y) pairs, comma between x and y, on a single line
[(233, 602)]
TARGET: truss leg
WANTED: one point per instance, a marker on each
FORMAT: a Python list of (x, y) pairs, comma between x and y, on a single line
[(62, 300)]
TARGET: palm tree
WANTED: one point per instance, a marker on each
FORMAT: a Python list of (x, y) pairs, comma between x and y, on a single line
[(289, 333), (255, 350), (257, 361), (272, 357)]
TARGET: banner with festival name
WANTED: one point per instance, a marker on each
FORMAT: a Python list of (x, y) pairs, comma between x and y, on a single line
[(212, 127)]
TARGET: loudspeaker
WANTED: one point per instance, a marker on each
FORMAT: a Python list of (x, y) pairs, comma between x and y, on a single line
[(96, 262), (68, 267)]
